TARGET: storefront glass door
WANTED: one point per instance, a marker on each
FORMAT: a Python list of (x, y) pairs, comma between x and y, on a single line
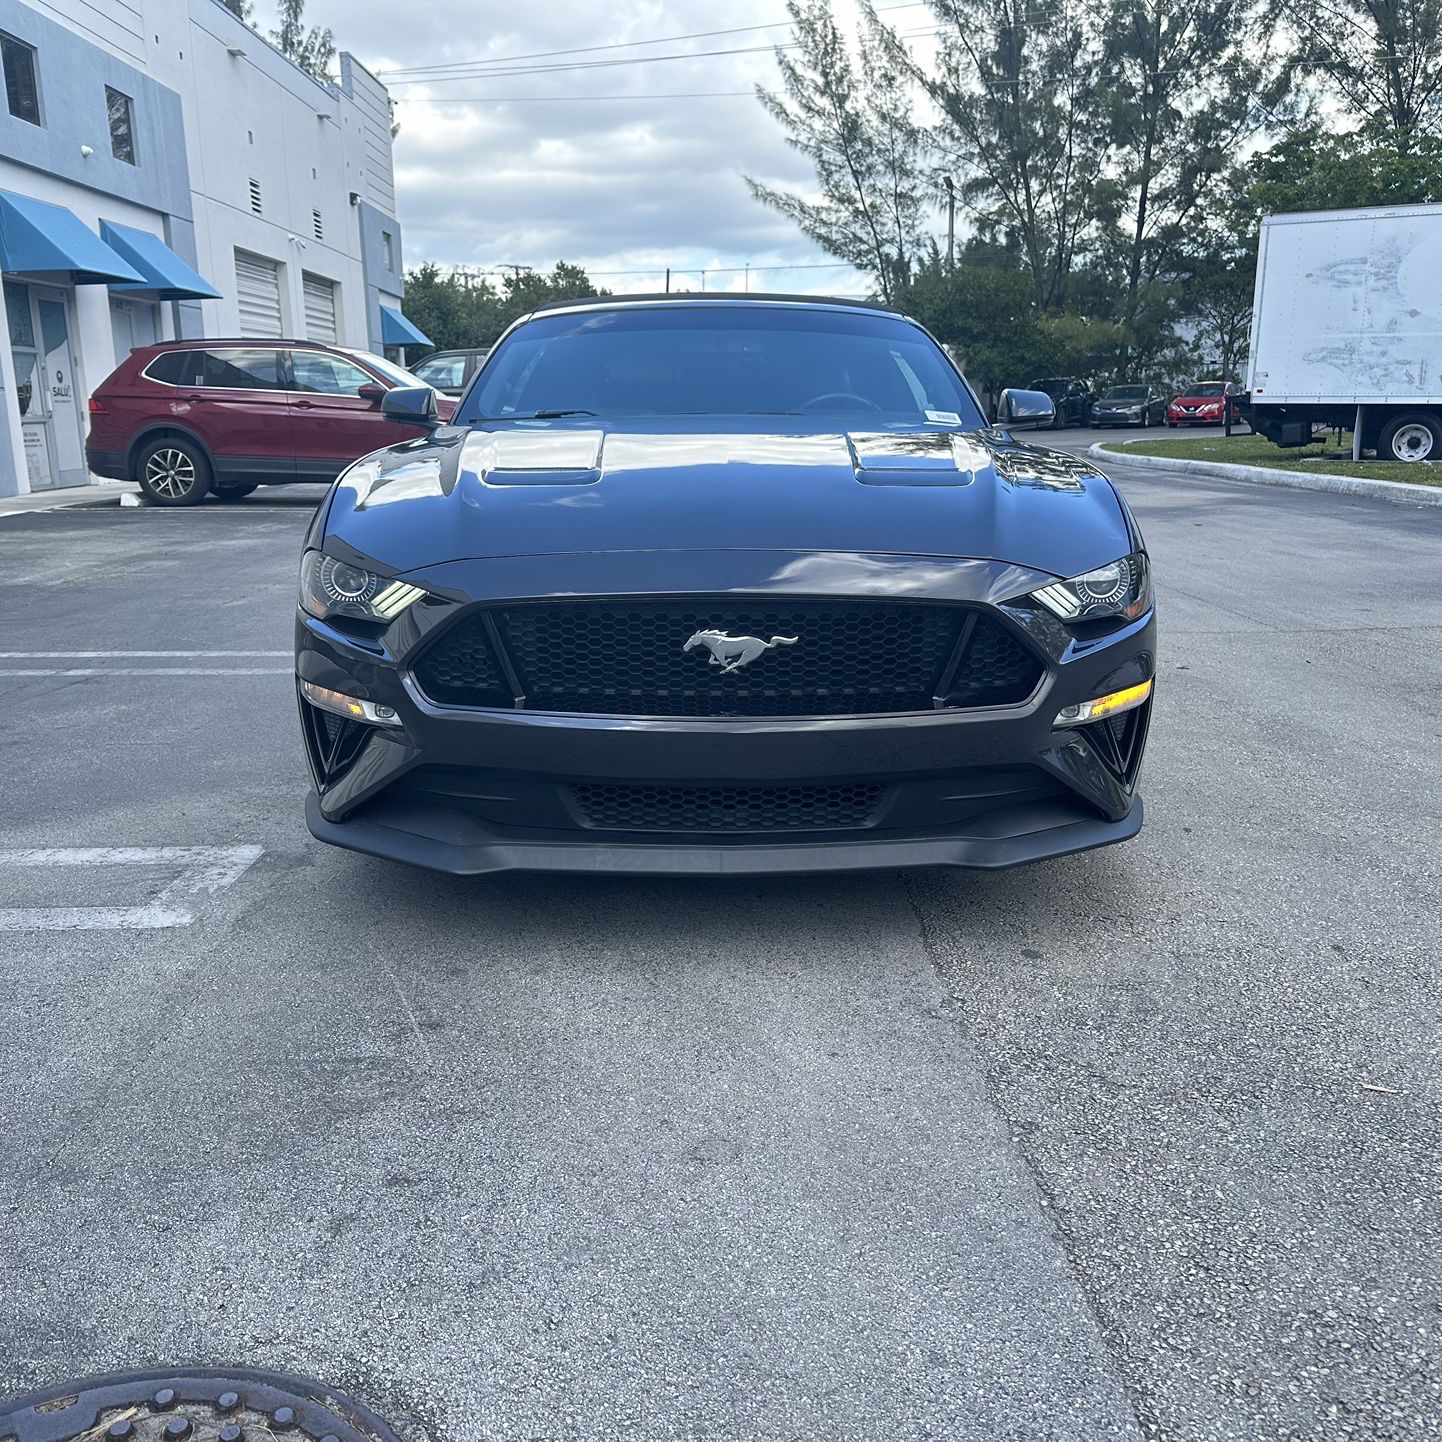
[(50, 416)]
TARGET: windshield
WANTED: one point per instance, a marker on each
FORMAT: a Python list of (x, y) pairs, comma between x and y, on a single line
[(1126, 393), (1205, 388), (397, 375), (1055, 388), (721, 359)]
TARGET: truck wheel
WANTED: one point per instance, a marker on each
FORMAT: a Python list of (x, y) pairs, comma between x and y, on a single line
[(173, 471), (1412, 437)]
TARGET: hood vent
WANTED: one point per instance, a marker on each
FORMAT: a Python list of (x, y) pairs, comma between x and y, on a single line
[(920, 458), (534, 458)]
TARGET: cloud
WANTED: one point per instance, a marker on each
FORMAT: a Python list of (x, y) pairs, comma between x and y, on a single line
[(537, 171)]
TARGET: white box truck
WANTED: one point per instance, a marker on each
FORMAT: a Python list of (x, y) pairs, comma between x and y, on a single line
[(1347, 330)]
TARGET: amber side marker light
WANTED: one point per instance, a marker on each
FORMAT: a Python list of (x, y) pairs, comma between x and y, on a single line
[(1103, 706), (348, 706)]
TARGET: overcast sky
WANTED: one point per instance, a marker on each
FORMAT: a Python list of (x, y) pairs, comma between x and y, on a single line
[(529, 169)]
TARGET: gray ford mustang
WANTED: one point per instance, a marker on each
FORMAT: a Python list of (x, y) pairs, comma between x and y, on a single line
[(722, 585)]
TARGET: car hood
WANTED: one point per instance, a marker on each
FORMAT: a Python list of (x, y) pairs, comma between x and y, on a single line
[(546, 488)]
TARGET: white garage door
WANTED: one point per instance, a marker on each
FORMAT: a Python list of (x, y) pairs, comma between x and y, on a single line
[(319, 308), (257, 289)]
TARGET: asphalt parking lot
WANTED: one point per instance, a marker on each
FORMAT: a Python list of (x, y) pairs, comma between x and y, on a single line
[(1139, 1143)]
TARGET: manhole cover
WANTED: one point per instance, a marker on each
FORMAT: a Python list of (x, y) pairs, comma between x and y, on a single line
[(208, 1404)]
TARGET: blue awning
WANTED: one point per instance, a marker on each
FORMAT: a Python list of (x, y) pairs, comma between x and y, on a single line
[(37, 238), (167, 276), (397, 330)]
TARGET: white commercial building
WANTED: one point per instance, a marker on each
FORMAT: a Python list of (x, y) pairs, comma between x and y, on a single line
[(164, 173)]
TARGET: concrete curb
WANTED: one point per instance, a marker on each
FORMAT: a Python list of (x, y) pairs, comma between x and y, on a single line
[(1399, 493), (97, 493)]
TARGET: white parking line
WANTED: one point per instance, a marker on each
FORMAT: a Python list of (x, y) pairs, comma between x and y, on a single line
[(207, 871), (7, 669), (149, 671), (130, 655)]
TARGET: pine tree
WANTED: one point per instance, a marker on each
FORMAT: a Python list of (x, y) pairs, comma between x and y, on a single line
[(313, 49), (1016, 88), (1381, 59), (861, 141)]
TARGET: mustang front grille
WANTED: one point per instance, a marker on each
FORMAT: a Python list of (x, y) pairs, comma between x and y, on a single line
[(728, 656)]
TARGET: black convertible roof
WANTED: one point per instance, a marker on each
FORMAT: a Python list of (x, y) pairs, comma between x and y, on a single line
[(716, 297)]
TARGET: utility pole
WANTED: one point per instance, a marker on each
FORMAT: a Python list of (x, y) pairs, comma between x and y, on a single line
[(748, 277), (950, 186), (668, 280)]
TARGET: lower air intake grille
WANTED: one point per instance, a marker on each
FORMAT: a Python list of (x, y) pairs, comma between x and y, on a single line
[(334, 741), (726, 808), (821, 657)]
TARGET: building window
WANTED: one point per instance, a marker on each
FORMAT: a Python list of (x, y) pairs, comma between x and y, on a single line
[(319, 224), (122, 125), (255, 196), (21, 90), (388, 248)]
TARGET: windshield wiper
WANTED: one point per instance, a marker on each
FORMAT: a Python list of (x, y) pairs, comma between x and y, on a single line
[(552, 415)]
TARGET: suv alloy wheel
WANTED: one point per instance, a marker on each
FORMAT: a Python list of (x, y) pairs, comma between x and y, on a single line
[(173, 471)]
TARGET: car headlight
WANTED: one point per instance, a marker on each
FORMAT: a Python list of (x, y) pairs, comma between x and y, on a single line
[(329, 587), (1122, 589)]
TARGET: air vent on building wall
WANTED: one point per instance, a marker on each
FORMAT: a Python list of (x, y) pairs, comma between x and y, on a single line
[(255, 195), (319, 225)]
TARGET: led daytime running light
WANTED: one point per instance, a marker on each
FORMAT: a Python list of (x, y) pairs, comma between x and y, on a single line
[(389, 603)]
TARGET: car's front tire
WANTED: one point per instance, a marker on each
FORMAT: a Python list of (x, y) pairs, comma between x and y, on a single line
[(173, 471), (235, 493)]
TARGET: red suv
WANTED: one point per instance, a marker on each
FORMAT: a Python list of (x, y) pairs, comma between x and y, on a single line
[(226, 416)]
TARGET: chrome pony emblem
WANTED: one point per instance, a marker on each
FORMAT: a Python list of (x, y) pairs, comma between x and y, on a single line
[(731, 653)]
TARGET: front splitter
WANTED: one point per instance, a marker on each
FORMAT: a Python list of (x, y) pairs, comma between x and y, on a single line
[(375, 834)]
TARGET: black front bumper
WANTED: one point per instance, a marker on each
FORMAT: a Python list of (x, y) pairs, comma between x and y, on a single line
[(479, 790), (451, 841)]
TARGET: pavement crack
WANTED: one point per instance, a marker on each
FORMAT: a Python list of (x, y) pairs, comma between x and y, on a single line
[(1148, 1424)]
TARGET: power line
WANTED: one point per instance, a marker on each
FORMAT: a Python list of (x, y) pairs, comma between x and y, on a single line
[(566, 99), (611, 45), (582, 65)]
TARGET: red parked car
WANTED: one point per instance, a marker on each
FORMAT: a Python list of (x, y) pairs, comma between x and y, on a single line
[(189, 418), (1200, 404)]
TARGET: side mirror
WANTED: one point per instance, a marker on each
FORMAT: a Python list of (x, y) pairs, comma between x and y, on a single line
[(372, 391), (1031, 408), (411, 406)]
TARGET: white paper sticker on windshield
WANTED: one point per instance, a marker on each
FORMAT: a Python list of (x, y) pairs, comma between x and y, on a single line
[(949, 418)]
